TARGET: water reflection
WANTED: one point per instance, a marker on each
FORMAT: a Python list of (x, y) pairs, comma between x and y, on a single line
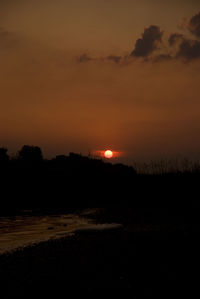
[(22, 231)]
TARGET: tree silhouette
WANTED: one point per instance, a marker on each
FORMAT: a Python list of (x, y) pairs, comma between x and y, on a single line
[(29, 153), (3, 154)]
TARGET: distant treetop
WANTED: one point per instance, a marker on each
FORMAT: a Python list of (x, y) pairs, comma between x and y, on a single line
[(3, 154), (30, 153)]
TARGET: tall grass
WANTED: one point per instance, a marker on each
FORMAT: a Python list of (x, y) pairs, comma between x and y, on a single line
[(167, 166)]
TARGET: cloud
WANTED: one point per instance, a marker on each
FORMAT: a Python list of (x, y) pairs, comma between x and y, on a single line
[(114, 58), (189, 49), (175, 38), (186, 48), (84, 58), (149, 42), (162, 58), (7, 39), (179, 46), (194, 25)]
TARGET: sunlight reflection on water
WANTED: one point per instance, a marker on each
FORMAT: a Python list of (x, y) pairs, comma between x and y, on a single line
[(21, 231)]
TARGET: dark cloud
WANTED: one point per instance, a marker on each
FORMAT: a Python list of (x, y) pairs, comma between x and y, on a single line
[(114, 58), (189, 50), (175, 38), (149, 42), (194, 25), (179, 46), (162, 58), (7, 39), (84, 58)]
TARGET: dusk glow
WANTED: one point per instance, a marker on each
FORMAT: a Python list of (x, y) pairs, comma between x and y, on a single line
[(99, 148), (101, 73)]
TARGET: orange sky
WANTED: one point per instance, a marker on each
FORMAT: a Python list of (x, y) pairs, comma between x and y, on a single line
[(142, 106)]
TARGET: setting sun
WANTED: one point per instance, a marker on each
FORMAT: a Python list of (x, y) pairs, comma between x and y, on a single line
[(108, 154)]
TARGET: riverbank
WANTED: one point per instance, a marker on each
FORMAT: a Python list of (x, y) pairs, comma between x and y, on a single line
[(146, 263)]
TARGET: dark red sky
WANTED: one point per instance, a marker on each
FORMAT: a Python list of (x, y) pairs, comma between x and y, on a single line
[(94, 74)]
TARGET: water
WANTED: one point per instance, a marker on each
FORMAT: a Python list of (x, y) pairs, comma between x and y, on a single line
[(21, 231)]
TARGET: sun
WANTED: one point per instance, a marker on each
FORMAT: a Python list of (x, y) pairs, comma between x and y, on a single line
[(108, 154)]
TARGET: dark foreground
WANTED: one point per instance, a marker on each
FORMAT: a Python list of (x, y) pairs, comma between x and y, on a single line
[(68, 183), (152, 257)]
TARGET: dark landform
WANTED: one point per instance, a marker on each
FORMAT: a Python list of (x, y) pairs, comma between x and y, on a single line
[(30, 182), (154, 255), (147, 258)]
